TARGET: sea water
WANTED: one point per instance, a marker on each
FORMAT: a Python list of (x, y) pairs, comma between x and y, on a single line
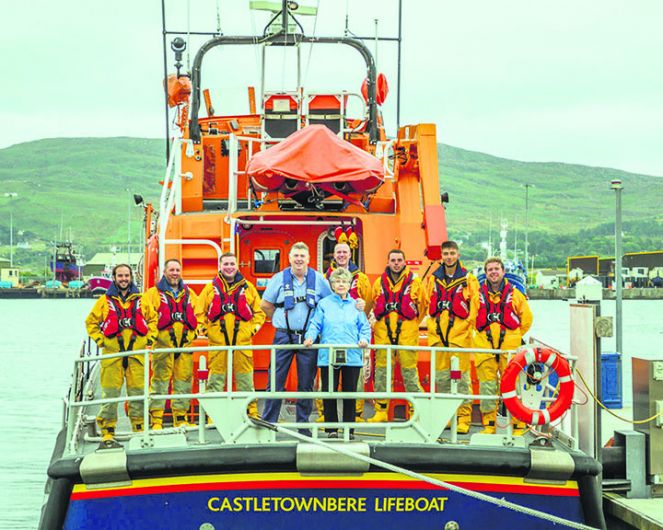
[(42, 337)]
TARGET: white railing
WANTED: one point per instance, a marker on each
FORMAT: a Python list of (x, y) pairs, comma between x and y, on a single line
[(431, 410), (171, 199)]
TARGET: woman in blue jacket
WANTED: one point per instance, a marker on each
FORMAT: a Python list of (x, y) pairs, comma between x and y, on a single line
[(338, 321)]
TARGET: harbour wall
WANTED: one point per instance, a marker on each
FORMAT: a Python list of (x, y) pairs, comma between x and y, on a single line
[(637, 293)]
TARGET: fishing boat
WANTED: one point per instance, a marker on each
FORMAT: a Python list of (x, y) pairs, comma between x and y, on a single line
[(66, 262), (299, 166)]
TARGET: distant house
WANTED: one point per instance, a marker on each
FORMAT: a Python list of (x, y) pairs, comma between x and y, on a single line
[(107, 260), (547, 279), (9, 276)]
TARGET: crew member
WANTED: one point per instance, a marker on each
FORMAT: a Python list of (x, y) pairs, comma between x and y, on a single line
[(360, 290), (452, 296), (230, 311), (121, 322), (176, 327), (289, 300), (398, 306), (503, 318)]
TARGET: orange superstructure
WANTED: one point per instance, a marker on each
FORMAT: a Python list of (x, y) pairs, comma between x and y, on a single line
[(211, 203)]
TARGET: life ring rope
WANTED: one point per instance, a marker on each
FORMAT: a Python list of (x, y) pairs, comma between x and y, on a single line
[(525, 357)]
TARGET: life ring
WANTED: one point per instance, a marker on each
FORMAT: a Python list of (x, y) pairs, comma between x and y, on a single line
[(552, 359)]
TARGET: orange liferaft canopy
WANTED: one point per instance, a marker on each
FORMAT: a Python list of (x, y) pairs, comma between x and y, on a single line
[(315, 155)]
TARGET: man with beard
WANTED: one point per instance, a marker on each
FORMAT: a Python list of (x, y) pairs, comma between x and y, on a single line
[(121, 322), (176, 327), (398, 306)]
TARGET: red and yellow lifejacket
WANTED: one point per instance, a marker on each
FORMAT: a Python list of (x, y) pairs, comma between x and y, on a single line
[(449, 297), (171, 311), (225, 302), (501, 312), (120, 318), (400, 302)]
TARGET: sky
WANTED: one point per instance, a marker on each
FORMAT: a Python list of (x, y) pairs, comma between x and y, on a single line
[(577, 81)]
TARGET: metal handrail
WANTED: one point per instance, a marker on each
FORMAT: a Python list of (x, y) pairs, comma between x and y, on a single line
[(74, 420)]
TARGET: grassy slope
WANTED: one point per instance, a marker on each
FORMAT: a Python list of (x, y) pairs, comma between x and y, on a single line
[(83, 182), (566, 198)]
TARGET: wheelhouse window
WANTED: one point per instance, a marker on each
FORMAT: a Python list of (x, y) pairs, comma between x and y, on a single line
[(266, 261)]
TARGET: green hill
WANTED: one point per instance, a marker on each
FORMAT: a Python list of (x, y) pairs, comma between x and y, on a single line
[(82, 183), (571, 207)]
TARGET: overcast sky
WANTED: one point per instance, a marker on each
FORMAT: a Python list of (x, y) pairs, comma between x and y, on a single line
[(566, 80)]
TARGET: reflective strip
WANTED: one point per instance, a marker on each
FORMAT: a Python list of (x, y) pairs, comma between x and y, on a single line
[(551, 359), (530, 356), (546, 415), (535, 417), (510, 395), (566, 379)]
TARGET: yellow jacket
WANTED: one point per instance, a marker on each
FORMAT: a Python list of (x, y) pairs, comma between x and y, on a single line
[(461, 331), (409, 335), (163, 337), (99, 313), (512, 337), (246, 329)]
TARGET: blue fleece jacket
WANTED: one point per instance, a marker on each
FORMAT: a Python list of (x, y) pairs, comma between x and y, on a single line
[(338, 321)]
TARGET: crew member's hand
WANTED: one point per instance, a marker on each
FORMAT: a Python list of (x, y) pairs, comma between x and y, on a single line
[(361, 304), (308, 342), (363, 343)]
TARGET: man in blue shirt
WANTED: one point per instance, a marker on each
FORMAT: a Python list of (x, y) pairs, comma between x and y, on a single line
[(289, 300)]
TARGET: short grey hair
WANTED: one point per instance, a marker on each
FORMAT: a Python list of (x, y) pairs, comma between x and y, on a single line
[(300, 245), (340, 274)]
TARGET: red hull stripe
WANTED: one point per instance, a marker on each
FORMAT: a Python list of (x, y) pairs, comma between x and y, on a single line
[(320, 484)]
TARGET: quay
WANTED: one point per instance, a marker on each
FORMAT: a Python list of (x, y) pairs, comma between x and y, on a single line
[(44, 292), (636, 293)]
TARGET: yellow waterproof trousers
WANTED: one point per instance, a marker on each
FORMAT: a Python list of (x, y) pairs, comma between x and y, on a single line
[(242, 370), (408, 362), (113, 374), (179, 367)]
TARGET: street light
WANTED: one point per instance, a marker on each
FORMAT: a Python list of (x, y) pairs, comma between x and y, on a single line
[(616, 185), (130, 197), (527, 187), (10, 195)]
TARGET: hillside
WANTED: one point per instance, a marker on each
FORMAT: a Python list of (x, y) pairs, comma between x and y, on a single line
[(83, 183)]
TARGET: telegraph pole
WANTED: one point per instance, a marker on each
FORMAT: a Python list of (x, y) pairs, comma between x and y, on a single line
[(617, 186)]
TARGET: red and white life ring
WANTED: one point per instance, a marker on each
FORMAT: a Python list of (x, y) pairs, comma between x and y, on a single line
[(554, 360)]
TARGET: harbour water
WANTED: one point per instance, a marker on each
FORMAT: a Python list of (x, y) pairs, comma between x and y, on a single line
[(42, 337)]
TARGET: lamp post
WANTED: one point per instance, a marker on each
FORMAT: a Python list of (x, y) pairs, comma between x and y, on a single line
[(11, 195), (527, 187), (130, 198), (616, 185)]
